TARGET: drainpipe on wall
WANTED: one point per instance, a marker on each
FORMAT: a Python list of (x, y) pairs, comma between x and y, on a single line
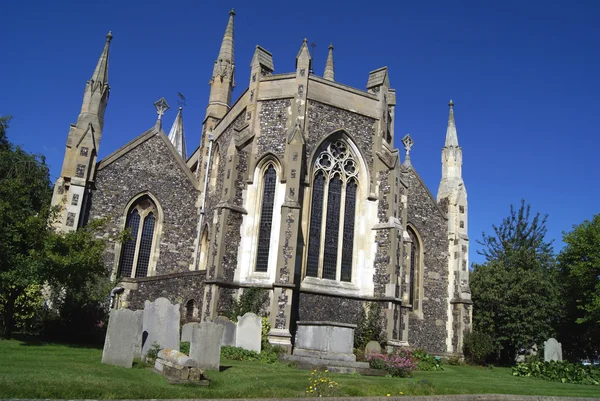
[(202, 203)]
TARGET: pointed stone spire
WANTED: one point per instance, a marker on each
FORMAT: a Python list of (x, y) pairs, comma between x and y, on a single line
[(226, 52), (222, 80), (328, 74), (100, 75), (451, 136), (176, 135)]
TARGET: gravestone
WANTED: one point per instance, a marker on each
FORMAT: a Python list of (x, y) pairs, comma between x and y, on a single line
[(123, 337), (249, 331), (186, 331), (229, 332), (372, 347), (161, 324), (205, 348), (552, 350)]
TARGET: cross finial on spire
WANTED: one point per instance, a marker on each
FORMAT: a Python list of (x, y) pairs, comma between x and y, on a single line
[(451, 103), (408, 143), (161, 106)]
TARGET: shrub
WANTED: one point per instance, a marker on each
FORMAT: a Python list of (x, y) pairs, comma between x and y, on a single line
[(369, 326), (477, 347), (400, 363), (152, 353), (454, 360), (426, 361), (563, 371), (269, 354), (320, 385), (184, 347), (251, 300)]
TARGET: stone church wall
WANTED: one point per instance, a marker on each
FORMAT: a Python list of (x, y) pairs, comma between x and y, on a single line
[(150, 167), (319, 307), (423, 213), (324, 119), (273, 122)]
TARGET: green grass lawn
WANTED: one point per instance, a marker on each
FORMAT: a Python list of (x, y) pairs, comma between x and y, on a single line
[(29, 370)]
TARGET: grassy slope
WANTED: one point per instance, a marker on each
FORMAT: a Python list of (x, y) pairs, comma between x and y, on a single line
[(60, 371)]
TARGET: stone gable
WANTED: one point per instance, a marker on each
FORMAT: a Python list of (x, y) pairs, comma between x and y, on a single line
[(150, 167)]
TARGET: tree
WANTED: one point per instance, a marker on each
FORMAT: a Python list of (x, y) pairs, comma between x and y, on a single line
[(579, 265), (515, 292), (24, 210)]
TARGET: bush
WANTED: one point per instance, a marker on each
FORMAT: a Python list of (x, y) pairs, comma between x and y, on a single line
[(184, 347), (478, 347), (269, 354), (563, 371), (369, 326), (426, 361), (400, 363), (454, 360), (152, 353), (251, 300)]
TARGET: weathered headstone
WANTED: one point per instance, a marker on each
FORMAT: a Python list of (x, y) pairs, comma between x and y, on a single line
[(123, 337), (249, 331), (552, 350), (372, 347), (229, 332), (161, 324), (186, 331), (205, 348), (179, 368)]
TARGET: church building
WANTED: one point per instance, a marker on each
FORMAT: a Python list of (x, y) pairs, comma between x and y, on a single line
[(295, 188)]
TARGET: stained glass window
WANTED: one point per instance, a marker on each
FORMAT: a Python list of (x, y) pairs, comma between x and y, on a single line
[(128, 252), (314, 240), (141, 269), (136, 252), (348, 247), (336, 181), (332, 228), (266, 219)]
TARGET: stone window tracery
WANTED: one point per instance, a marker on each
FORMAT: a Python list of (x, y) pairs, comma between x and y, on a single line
[(333, 207), (137, 250)]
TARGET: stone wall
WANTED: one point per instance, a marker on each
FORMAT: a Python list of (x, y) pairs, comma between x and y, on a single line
[(152, 167), (324, 119), (318, 307), (273, 123), (177, 288), (423, 213)]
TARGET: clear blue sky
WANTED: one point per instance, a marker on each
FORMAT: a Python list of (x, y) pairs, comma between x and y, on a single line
[(523, 76)]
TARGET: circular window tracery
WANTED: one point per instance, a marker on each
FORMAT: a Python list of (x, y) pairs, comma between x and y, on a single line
[(337, 158)]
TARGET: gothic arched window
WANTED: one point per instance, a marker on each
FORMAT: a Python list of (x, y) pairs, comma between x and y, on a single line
[(137, 250), (333, 207), (414, 291), (266, 219)]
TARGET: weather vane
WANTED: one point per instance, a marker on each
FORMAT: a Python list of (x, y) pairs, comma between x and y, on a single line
[(181, 102)]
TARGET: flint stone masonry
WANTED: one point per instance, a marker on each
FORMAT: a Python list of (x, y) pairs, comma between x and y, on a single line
[(325, 340), (325, 119), (205, 348), (149, 167), (229, 331), (425, 216), (249, 330), (177, 287), (161, 324), (273, 120), (317, 307), (552, 350), (123, 337)]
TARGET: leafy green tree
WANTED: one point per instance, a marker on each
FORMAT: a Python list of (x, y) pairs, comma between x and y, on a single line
[(515, 292), (25, 194), (579, 264)]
